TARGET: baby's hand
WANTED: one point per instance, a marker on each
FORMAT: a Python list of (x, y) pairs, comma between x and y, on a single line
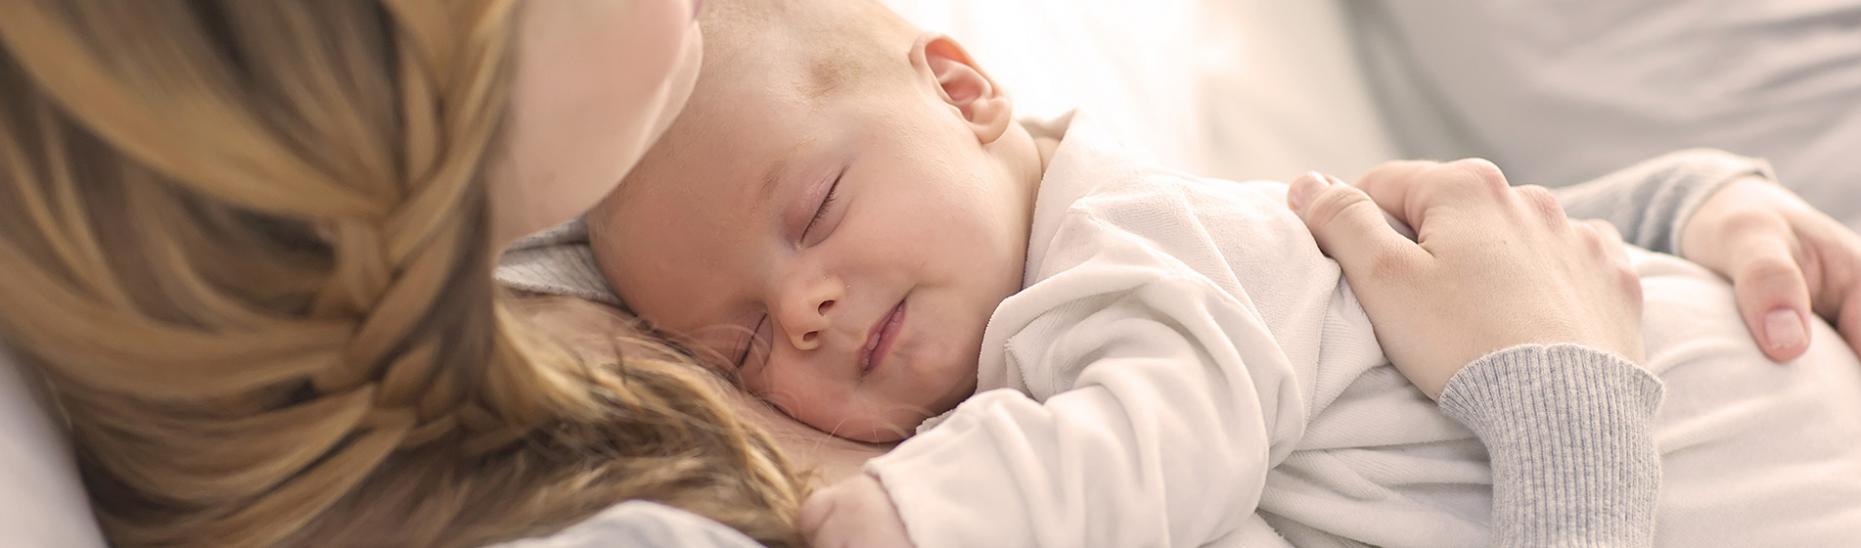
[(855, 512), (1784, 258)]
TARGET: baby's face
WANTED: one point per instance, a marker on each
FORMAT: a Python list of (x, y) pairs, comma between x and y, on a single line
[(843, 253)]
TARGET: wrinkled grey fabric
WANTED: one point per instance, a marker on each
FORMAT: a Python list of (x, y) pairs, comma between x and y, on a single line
[(1558, 92)]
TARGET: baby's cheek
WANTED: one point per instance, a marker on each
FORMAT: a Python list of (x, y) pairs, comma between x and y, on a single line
[(760, 382), (801, 396)]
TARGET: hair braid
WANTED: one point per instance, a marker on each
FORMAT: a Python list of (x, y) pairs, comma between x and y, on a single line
[(249, 251)]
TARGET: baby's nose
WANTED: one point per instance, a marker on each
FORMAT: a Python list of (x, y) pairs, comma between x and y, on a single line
[(807, 332)]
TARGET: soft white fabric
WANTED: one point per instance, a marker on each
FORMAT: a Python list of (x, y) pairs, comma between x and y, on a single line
[(1558, 92), (42, 501), (642, 524), (1185, 367), (1133, 391)]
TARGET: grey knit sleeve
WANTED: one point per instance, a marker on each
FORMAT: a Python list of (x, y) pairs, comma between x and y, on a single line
[(555, 261), (1569, 433), (1650, 202)]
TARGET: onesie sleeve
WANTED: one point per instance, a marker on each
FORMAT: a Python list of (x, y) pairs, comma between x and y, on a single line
[(1651, 202), (1164, 439), (1568, 430)]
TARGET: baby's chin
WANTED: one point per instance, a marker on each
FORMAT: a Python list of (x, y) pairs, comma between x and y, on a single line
[(887, 416), (886, 435), (894, 424)]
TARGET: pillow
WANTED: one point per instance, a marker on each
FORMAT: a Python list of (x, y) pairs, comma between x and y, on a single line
[(1559, 92), (42, 501)]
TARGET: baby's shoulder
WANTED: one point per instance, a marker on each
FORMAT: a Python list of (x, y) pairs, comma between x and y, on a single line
[(1232, 232), (1147, 192), (1180, 215)]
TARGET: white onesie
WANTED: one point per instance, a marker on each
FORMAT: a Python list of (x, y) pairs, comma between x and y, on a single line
[(1184, 364)]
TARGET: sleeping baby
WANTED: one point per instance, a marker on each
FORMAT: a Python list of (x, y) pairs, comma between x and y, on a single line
[(1080, 348)]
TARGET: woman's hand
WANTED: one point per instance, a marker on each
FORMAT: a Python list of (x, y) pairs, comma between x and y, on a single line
[(853, 512), (1492, 267), (1785, 259)]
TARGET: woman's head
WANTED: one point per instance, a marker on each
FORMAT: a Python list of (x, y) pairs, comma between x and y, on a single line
[(249, 246), (596, 83)]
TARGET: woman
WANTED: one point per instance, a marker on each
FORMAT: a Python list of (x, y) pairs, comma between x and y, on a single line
[(249, 246)]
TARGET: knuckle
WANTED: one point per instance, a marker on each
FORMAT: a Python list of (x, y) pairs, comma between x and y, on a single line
[(1336, 203), (1591, 239), (1769, 270), (1542, 203), (1606, 230), (1481, 171), (1628, 277)]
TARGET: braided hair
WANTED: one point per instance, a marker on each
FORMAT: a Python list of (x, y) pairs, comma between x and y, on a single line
[(246, 247)]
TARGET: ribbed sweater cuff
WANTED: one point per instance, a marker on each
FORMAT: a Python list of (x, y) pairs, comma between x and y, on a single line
[(1569, 432)]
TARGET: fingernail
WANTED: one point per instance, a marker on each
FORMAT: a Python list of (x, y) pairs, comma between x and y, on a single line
[(1303, 188), (1784, 328)]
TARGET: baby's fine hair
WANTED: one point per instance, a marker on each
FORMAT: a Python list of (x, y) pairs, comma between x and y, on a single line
[(844, 42)]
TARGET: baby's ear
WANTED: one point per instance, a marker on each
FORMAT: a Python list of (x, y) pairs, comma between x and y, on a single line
[(964, 86)]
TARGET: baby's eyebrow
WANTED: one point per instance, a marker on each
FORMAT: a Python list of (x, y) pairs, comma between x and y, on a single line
[(771, 178)]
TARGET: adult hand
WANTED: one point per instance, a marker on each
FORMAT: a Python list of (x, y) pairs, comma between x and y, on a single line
[(1786, 260), (1492, 266), (853, 512)]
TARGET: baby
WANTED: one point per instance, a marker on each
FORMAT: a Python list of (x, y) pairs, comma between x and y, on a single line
[(1115, 353)]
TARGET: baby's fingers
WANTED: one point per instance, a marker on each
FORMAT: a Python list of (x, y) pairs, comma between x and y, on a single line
[(816, 512)]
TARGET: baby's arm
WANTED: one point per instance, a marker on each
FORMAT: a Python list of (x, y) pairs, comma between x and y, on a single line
[(1165, 437)]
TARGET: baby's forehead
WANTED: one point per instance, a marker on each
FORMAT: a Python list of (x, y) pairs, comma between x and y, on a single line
[(669, 248), (724, 146), (696, 199), (814, 48), (691, 203)]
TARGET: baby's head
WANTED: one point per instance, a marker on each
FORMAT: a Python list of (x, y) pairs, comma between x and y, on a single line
[(853, 192)]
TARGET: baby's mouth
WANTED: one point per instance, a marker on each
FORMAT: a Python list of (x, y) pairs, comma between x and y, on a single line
[(880, 338)]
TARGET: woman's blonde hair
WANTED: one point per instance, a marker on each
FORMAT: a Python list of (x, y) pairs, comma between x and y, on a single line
[(245, 243)]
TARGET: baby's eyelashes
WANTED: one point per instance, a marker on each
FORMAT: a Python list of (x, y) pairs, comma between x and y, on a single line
[(820, 213), (756, 349), (749, 341)]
